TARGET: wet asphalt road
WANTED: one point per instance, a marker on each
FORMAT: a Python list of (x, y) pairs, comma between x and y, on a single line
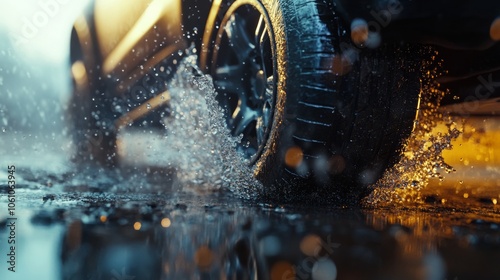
[(81, 222)]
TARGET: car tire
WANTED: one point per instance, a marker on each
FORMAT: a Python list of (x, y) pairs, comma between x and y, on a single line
[(320, 118)]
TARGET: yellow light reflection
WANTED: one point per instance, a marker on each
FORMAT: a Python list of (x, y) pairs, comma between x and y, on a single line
[(282, 270), (310, 245), (78, 71), (476, 146), (137, 225), (103, 219), (341, 64), (337, 164), (152, 15), (165, 222), (471, 170), (495, 30), (293, 157), (204, 257), (359, 32), (475, 155), (208, 33), (143, 109)]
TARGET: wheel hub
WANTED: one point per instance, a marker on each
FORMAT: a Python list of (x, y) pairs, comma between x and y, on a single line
[(243, 70)]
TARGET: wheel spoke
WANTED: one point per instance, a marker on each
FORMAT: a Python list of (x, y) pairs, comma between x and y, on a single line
[(261, 35), (261, 130), (239, 40), (267, 111), (143, 109), (241, 119), (266, 114), (269, 88), (228, 78), (261, 41), (227, 87), (259, 86), (244, 76)]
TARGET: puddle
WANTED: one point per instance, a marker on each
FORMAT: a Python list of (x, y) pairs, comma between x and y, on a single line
[(174, 219)]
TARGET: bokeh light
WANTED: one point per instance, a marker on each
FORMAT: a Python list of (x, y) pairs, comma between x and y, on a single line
[(293, 157), (165, 222), (137, 225), (204, 257), (310, 245), (495, 29), (282, 270)]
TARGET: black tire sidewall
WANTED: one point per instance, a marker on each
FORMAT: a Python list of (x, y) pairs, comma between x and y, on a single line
[(292, 22)]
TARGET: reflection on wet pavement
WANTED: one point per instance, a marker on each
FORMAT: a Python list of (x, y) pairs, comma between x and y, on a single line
[(98, 235)]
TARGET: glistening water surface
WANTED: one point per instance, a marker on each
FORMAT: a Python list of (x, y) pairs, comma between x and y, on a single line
[(181, 207)]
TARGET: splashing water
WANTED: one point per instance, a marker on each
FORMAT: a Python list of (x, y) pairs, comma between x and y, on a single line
[(199, 144), (421, 157), (202, 150)]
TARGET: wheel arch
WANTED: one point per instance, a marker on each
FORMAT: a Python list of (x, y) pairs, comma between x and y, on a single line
[(83, 42)]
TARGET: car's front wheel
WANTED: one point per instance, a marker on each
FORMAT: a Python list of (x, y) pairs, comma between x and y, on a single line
[(320, 118)]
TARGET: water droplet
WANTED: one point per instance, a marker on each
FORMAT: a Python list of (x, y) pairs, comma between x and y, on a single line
[(422, 154)]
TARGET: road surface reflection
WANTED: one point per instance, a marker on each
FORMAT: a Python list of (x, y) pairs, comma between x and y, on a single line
[(82, 223)]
